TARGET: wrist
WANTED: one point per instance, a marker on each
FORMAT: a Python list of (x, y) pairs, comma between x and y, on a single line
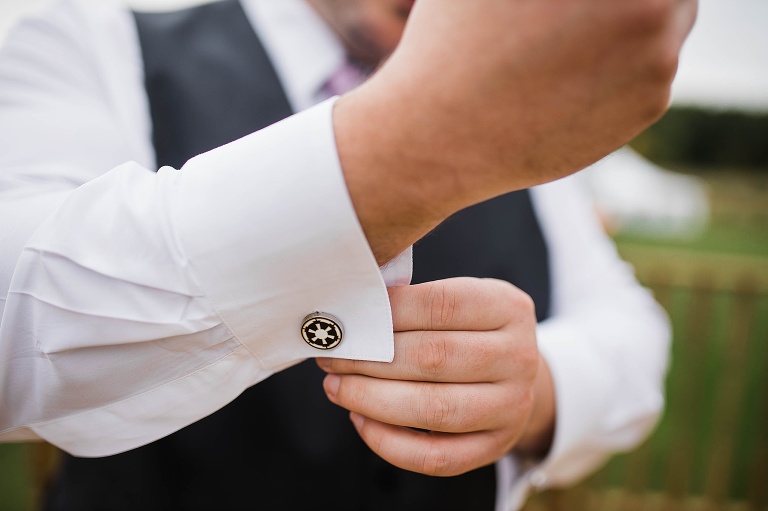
[(400, 188)]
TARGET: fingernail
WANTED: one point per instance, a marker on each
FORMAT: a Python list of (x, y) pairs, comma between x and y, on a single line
[(324, 363), (331, 384), (356, 419)]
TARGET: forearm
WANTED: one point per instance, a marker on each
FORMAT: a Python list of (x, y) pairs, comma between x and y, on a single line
[(399, 191), (479, 99)]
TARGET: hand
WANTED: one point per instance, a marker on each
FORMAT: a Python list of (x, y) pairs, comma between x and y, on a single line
[(482, 97), (466, 373)]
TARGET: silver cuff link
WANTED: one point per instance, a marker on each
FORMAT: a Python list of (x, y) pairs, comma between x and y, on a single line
[(321, 330)]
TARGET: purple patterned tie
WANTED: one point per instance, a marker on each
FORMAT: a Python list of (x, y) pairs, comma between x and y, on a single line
[(346, 78)]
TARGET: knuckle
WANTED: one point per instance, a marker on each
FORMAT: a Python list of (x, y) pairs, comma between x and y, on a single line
[(526, 363), (519, 303), (531, 364), (525, 303), (525, 402), (504, 296), (510, 292), (503, 288), (437, 410), (433, 355), (442, 305), (436, 461)]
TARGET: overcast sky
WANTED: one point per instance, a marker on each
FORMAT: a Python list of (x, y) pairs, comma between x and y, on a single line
[(724, 63)]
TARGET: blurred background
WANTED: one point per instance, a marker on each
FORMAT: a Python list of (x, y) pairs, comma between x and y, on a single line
[(687, 204)]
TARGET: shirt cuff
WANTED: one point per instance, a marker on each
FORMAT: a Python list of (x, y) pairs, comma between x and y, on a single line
[(286, 243), (265, 228)]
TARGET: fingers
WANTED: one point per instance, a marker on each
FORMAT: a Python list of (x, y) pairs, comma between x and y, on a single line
[(457, 304), (456, 330), (452, 407), (459, 357), (435, 454), (465, 362)]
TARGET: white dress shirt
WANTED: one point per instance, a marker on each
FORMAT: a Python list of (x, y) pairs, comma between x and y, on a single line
[(134, 303)]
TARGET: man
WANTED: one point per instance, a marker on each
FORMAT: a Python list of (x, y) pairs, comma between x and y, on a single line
[(144, 302)]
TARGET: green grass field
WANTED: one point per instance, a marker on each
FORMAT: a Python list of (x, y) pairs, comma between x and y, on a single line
[(15, 481)]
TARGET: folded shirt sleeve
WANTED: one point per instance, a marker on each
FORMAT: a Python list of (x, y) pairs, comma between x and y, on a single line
[(606, 343), (136, 302)]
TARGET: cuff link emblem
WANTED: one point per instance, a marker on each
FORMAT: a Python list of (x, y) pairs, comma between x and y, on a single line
[(321, 331)]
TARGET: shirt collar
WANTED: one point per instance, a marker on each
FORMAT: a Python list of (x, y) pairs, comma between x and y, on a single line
[(304, 50)]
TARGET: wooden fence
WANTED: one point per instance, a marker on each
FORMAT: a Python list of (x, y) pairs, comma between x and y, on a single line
[(710, 451)]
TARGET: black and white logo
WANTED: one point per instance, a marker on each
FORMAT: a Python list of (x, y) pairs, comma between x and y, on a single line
[(321, 331)]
